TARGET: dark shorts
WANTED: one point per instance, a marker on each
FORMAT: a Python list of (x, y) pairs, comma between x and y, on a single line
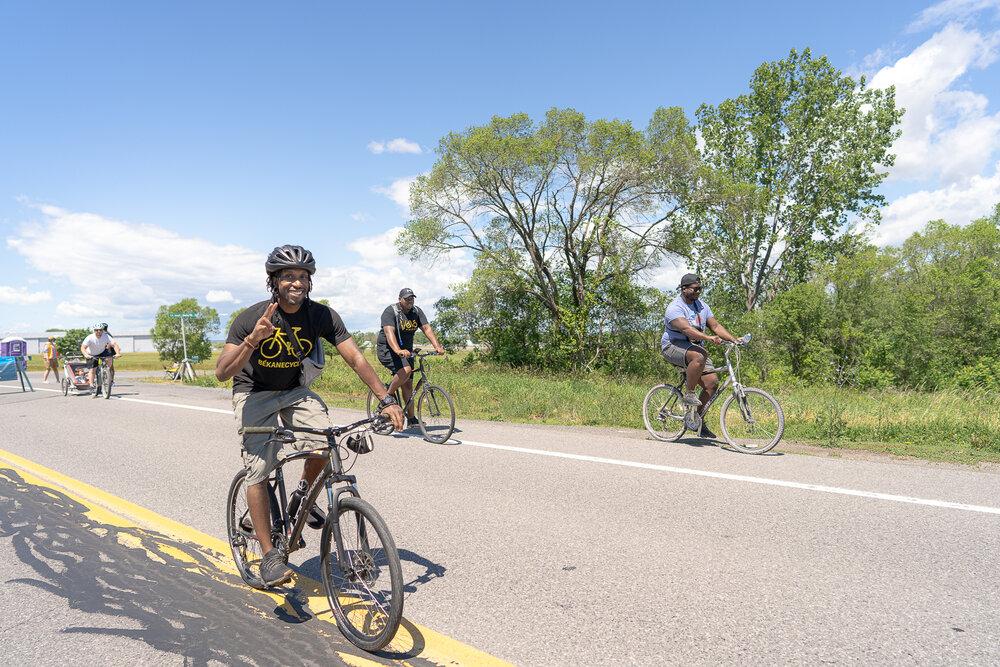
[(676, 353), (391, 360), (92, 362)]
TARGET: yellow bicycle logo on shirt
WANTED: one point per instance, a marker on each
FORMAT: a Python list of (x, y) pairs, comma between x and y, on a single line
[(273, 346)]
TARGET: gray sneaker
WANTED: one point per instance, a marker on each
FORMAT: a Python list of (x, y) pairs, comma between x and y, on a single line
[(691, 399), (274, 568)]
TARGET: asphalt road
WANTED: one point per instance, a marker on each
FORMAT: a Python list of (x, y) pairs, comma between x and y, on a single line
[(567, 546)]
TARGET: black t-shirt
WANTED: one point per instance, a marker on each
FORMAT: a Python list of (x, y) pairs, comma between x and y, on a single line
[(274, 366), (409, 324)]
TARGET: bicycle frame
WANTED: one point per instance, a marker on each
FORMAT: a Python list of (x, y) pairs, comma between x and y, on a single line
[(420, 383), (291, 527), (732, 380)]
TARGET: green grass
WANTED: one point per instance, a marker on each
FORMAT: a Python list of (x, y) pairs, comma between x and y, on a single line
[(953, 426)]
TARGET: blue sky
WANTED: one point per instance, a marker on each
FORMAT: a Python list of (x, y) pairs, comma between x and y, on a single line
[(155, 151)]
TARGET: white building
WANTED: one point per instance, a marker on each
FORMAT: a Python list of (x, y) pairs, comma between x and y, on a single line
[(128, 341)]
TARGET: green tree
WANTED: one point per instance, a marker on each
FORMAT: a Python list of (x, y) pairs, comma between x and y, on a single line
[(568, 213), (69, 344), (166, 331), (802, 315), (801, 152)]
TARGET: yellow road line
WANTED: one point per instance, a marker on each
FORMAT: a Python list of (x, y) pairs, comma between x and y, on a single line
[(110, 509)]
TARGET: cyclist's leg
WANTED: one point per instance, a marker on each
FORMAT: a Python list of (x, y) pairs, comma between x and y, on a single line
[(92, 371), (709, 381), (303, 407), (259, 457)]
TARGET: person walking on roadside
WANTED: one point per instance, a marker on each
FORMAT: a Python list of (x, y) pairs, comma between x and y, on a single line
[(400, 322), (51, 357), (686, 320)]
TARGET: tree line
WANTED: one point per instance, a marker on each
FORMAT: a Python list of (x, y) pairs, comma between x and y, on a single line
[(769, 196)]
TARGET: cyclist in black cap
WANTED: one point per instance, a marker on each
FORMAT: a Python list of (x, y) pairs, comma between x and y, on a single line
[(264, 356), (395, 343), (686, 320)]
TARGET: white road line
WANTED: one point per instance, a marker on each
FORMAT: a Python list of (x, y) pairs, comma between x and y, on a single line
[(742, 478), (652, 466)]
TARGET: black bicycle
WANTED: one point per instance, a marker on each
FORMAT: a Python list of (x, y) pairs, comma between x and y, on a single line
[(361, 570), (435, 411), (102, 378)]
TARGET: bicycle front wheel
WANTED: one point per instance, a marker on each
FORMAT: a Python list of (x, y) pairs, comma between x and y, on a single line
[(752, 423), (663, 413), (106, 381), (242, 540), (436, 414), (371, 405), (367, 594)]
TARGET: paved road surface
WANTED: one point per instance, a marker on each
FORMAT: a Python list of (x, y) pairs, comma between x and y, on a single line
[(553, 545)]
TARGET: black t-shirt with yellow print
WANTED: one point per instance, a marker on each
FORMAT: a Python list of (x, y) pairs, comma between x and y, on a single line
[(274, 366), (409, 324)]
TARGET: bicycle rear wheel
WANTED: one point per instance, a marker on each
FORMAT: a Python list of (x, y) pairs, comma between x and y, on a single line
[(663, 413), (106, 381), (752, 423), (436, 414), (367, 596), (242, 541)]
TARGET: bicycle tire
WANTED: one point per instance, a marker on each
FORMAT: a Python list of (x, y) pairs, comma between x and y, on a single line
[(242, 541), (764, 428), (106, 382), (65, 386), (663, 413), (436, 424), (367, 601)]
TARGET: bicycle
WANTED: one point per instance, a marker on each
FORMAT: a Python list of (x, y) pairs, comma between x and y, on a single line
[(435, 411), (362, 574), (102, 378), (753, 426)]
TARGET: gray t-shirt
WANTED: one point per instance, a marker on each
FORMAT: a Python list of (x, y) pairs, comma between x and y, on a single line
[(696, 313)]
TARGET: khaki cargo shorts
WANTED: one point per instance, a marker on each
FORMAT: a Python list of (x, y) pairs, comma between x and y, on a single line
[(297, 407), (676, 353)]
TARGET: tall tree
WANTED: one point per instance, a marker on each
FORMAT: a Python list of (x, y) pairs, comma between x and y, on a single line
[(802, 151), (570, 210), (166, 331)]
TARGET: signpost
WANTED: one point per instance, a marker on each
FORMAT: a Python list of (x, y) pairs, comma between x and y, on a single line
[(184, 369)]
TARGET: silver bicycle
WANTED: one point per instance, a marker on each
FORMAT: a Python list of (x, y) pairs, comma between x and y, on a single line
[(751, 419)]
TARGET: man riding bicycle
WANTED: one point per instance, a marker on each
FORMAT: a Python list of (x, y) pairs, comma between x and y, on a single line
[(400, 322), (685, 321), (100, 345), (287, 325)]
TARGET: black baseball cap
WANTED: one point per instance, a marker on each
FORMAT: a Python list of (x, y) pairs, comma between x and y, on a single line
[(690, 279), (406, 292)]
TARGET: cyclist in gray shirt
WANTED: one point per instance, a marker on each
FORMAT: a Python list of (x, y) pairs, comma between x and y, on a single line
[(685, 323)]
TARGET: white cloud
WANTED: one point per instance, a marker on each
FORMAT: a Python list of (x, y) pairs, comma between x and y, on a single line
[(398, 145), (220, 296), (361, 292), (957, 204), (398, 192), (20, 296), (127, 270), (951, 10), (946, 132)]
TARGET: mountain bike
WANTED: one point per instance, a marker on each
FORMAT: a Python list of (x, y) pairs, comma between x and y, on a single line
[(102, 379), (751, 419), (361, 569), (435, 411)]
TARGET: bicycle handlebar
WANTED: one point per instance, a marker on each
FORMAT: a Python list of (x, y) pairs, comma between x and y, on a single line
[(376, 422)]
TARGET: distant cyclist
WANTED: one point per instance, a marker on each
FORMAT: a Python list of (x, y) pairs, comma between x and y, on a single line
[(394, 345), (100, 345), (263, 356), (686, 320)]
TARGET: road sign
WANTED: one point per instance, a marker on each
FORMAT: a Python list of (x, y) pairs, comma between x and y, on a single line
[(181, 315)]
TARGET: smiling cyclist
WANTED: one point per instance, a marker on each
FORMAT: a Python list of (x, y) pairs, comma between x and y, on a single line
[(263, 355)]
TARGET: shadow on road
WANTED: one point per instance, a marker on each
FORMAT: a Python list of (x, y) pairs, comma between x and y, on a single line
[(182, 603)]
